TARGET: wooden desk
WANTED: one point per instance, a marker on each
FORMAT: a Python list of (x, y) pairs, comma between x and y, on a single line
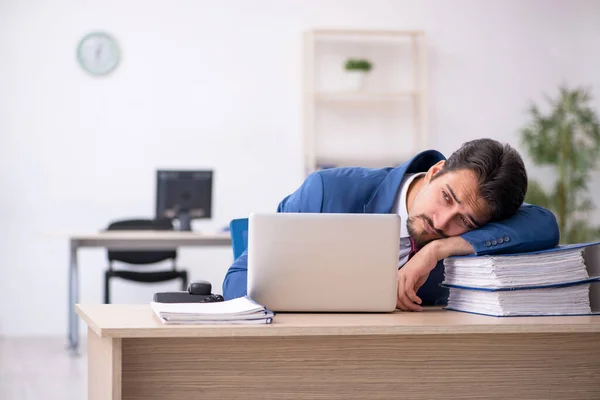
[(128, 240), (434, 354)]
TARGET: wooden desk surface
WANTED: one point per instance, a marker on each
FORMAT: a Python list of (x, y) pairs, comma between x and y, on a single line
[(127, 321)]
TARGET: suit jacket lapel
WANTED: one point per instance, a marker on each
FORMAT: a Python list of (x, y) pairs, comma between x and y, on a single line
[(383, 198)]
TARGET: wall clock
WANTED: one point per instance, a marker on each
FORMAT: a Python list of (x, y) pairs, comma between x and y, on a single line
[(98, 53)]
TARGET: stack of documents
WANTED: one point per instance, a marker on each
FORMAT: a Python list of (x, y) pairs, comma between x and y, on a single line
[(549, 282), (242, 310)]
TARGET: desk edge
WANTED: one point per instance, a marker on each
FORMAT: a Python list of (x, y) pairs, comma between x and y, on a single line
[(294, 331), (88, 321)]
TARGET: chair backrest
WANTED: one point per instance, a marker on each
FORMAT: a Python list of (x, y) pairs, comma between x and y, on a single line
[(145, 256), (239, 236)]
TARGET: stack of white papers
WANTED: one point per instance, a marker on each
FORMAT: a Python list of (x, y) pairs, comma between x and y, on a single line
[(550, 282), (570, 300), (517, 270), (242, 310)]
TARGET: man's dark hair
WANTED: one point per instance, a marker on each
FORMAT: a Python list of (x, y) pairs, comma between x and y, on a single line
[(500, 171)]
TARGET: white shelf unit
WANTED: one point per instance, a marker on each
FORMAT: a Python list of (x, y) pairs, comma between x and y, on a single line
[(381, 124)]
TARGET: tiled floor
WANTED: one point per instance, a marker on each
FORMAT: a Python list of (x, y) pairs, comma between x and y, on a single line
[(41, 368)]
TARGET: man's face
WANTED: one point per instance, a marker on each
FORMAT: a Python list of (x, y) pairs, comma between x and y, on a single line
[(447, 205)]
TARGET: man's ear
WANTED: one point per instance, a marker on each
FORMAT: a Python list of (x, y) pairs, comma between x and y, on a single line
[(434, 170)]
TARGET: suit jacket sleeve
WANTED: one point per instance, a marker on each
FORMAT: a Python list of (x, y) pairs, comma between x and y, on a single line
[(307, 198), (532, 228)]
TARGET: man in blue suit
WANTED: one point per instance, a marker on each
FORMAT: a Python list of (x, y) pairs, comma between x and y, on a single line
[(470, 203)]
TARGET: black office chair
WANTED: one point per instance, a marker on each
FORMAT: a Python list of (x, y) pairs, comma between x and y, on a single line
[(142, 258)]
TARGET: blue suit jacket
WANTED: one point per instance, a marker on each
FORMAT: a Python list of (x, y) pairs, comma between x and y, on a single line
[(362, 190)]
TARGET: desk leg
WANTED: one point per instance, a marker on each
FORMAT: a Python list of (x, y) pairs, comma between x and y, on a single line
[(104, 367), (73, 336)]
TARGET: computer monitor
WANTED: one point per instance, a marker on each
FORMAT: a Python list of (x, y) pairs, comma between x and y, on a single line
[(184, 195)]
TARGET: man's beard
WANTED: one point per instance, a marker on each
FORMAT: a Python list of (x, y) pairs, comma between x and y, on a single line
[(421, 238)]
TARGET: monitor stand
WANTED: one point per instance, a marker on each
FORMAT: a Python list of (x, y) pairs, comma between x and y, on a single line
[(185, 222)]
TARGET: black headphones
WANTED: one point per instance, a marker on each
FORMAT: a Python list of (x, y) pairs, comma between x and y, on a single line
[(197, 292), (200, 288)]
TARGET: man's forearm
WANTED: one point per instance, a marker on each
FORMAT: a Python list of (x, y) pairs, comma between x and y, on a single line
[(428, 257), (236, 280), (532, 228), (452, 246)]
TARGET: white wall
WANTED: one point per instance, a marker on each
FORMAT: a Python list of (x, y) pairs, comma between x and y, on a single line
[(217, 84)]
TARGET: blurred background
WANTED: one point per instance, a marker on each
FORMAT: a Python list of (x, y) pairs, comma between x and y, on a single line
[(97, 96)]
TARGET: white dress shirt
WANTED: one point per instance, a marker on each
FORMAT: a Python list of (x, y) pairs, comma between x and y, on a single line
[(401, 209)]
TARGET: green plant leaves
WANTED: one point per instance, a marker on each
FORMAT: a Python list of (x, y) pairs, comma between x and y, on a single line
[(536, 195), (358, 64), (567, 138)]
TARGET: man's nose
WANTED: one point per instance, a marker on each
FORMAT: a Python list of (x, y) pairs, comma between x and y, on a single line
[(441, 221)]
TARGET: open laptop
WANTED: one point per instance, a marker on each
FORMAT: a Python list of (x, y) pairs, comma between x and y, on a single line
[(304, 262)]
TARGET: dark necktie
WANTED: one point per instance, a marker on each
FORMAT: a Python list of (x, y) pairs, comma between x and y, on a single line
[(413, 248)]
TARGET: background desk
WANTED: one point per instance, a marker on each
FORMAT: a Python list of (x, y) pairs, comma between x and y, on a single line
[(430, 355), (128, 240)]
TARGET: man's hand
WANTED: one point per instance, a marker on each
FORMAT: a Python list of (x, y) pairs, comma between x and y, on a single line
[(412, 276), (416, 271)]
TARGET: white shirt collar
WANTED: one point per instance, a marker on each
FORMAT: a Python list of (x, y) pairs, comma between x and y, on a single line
[(400, 205)]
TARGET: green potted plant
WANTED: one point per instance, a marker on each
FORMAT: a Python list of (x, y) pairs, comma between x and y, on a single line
[(356, 70), (566, 138)]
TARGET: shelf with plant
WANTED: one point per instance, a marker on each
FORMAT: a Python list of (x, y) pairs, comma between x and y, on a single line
[(367, 97), (356, 70)]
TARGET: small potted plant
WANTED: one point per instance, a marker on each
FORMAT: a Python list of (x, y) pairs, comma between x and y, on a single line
[(356, 70)]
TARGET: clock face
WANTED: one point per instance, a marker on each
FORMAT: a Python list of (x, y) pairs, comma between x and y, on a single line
[(98, 53)]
